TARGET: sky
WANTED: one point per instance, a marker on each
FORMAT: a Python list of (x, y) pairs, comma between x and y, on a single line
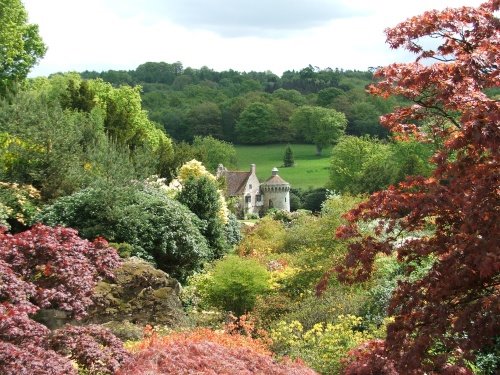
[(243, 35)]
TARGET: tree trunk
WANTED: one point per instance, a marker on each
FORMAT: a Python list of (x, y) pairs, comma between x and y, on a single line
[(318, 150)]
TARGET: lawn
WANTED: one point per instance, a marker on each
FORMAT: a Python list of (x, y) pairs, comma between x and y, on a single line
[(310, 171)]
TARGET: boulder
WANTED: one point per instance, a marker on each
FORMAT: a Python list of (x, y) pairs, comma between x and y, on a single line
[(140, 294)]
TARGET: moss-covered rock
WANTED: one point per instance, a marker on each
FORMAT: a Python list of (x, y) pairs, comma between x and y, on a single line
[(140, 294)]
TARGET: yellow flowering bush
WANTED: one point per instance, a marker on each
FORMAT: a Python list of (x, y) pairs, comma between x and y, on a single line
[(11, 150), (193, 168), (266, 237), (324, 345), (19, 204)]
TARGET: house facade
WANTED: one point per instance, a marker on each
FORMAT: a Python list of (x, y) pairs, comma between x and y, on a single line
[(252, 196)]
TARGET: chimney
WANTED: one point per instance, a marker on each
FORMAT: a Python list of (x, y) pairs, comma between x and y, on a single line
[(274, 171), (220, 170), (252, 168)]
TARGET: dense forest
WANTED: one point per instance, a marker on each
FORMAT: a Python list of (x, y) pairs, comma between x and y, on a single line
[(249, 108), (121, 251)]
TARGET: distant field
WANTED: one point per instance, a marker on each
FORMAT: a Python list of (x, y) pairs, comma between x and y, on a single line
[(310, 171)]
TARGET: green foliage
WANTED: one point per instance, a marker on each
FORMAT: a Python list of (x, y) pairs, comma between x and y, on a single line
[(43, 144), (295, 200), (255, 125), (202, 197), (338, 299), (288, 160), (386, 276), (212, 152), (309, 231), (364, 165), (363, 111), (156, 226), (349, 157), (487, 361), (232, 230), (60, 151), (188, 102), (326, 96), (235, 284), (20, 45), (313, 199), (292, 96), (205, 120), (125, 120), (320, 126)]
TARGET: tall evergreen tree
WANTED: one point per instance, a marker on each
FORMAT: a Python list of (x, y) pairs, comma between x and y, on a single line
[(288, 160)]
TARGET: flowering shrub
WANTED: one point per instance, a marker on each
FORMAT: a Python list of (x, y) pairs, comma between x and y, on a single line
[(266, 237), (324, 345), (18, 204), (52, 268)]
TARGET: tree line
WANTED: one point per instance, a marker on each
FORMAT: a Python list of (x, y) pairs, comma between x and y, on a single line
[(229, 105)]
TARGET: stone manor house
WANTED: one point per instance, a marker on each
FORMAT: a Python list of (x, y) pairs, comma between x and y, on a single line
[(253, 196)]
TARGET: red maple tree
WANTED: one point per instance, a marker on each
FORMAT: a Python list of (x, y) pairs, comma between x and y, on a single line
[(47, 267), (451, 312), (207, 352)]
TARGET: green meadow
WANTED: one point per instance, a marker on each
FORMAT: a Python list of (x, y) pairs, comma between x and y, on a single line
[(310, 171)]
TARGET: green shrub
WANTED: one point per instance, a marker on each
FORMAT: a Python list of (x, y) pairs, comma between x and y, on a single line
[(202, 197), (487, 361), (232, 230), (156, 226), (313, 199), (235, 284), (385, 278)]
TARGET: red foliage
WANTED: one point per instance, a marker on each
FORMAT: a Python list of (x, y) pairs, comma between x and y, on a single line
[(232, 340), (31, 359), (52, 267), (369, 359), (457, 303), (63, 267), (97, 349), (207, 352)]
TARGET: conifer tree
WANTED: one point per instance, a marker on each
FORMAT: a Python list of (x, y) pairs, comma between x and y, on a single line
[(288, 160)]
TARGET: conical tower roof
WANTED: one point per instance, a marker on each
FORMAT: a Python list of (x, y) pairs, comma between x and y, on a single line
[(275, 179)]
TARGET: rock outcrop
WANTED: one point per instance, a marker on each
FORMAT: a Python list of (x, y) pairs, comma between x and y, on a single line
[(140, 295)]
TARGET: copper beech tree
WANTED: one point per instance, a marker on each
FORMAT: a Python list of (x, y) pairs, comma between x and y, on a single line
[(446, 316)]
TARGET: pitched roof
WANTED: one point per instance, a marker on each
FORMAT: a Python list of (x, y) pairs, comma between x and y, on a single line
[(236, 181)]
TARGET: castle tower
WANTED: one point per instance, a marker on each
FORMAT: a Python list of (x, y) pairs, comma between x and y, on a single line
[(276, 192)]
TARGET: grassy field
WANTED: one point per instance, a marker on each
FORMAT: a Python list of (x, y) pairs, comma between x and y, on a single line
[(310, 171)]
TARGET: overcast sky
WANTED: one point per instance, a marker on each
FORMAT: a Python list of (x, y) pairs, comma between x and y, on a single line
[(243, 35)]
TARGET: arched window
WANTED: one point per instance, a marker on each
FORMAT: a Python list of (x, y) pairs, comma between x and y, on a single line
[(270, 203)]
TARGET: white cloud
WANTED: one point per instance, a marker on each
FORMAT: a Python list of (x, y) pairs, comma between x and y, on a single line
[(121, 34)]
